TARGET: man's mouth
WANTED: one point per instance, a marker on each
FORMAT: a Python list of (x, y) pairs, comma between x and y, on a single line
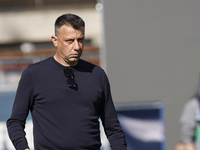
[(75, 55)]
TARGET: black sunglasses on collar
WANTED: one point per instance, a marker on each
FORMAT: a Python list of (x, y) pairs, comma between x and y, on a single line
[(70, 75)]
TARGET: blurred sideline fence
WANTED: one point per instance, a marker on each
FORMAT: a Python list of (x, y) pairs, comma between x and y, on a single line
[(143, 125)]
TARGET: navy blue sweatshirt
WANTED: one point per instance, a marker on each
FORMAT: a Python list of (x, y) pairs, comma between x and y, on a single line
[(64, 118)]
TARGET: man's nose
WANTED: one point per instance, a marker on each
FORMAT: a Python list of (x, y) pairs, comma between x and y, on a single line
[(76, 45)]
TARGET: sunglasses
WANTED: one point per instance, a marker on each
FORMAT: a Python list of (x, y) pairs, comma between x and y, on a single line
[(70, 75)]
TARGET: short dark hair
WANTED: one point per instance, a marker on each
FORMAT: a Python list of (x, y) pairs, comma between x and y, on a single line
[(69, 19)]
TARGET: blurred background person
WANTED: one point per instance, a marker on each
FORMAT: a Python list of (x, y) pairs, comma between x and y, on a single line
[(190, 122)]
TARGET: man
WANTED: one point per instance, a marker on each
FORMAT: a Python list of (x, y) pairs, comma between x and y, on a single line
[(66, 96)]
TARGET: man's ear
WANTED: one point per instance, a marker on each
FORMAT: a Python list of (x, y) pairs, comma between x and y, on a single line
[(54, 39)]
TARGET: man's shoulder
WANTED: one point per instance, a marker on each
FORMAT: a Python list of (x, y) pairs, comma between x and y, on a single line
[(40, 64)]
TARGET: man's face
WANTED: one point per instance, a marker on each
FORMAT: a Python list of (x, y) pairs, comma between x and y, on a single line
[(69, 43)]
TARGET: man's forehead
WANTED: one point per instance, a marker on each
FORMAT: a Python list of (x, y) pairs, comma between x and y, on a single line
[(68, 30), (69, 26)]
